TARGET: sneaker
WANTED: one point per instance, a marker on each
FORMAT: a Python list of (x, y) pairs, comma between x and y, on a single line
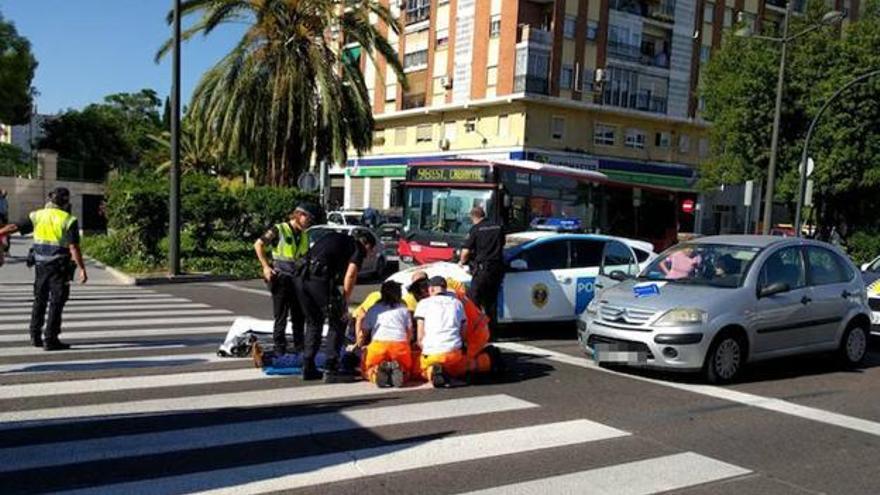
[(438, 377), (383, 374), (55, 345), (397, 378)]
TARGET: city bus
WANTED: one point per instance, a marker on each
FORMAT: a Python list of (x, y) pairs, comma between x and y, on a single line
[(438, 196)]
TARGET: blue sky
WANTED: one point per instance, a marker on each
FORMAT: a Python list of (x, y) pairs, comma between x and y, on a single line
[(91, 48)]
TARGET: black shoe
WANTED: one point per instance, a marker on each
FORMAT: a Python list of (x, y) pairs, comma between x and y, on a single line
[(498, 364), (333, 376), (383, 375), (397, 378), (311, 374), (55, 345), (438, 377), (37, 341)]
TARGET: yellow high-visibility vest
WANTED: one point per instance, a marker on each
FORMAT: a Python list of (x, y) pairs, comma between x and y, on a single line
[(51, 226), (289, 248)]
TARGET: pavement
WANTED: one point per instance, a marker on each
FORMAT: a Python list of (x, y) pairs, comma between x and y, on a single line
[(142, 404)]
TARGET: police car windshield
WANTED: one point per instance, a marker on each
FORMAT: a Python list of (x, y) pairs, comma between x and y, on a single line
[(715, 265), (444, 212)]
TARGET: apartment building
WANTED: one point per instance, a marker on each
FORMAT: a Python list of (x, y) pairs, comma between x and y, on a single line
[(607, 85)]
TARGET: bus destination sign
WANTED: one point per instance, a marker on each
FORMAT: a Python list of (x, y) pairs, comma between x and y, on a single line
[(449, 174)]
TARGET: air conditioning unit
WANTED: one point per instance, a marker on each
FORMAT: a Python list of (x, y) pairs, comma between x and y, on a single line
[(444, 144), (446, 82)]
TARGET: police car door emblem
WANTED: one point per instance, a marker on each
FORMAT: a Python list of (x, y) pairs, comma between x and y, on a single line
[(540, 295)]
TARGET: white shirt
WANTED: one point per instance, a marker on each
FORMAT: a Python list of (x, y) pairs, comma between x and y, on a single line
[(388, 323), (443, 315)]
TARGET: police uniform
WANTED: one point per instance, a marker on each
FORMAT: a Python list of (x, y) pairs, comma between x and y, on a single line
[(288, 248), (54, 231), (485, 242), (320, 298)]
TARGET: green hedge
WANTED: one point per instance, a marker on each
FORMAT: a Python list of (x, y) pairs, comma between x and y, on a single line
[(863, 246), (219, 223)]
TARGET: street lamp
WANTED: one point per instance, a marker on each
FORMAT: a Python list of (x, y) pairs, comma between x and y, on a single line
[(802, 184), (829, 18)]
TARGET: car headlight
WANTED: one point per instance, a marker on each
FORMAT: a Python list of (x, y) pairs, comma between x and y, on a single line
[(593, 307), (682, 317)]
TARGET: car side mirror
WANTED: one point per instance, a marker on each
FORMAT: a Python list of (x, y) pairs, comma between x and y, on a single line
[(865, 267), (519, 265), (618, 276), (773, 289)]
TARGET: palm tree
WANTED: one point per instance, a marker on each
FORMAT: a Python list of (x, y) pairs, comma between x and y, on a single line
[(286, 95)]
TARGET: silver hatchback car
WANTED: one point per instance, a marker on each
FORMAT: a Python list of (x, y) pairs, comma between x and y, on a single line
[(716, 303)]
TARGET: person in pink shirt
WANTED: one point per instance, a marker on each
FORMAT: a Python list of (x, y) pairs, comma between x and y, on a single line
[(681, 264)]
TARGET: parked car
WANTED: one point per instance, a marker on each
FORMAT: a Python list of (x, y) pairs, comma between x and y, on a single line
[(717, 303), (374, 264), (390, 234), (345, 217), (871, 276), (550, 276)]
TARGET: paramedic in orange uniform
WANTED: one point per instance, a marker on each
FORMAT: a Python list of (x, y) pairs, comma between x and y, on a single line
[(387, 326)]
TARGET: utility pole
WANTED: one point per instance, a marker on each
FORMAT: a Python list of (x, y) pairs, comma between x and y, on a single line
[(174, 200)]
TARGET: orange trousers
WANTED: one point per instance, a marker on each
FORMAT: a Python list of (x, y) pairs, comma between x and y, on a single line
[(454, 364), (378, 352)]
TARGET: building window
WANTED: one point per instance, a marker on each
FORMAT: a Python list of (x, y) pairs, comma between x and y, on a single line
[(390, 93), (592, 30), (470, 125), (492, 75), (703, 147), (728, 17), (442, 37), (604, 135), (635, 138), (588, 79), (709, 13), (684, 143), (567, 77), (569, 27), (662, 139), (400, 136), (417, 10), (379, 137), (415, 60), (424, 133), (495, 26), (557, 128), (503, 126), (705, 53), (449, 130)]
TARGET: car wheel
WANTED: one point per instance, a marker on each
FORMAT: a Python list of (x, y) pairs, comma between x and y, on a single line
[(725, 359), (853, 346)]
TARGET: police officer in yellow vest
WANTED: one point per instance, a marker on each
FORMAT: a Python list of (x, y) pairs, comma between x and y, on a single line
[(289, 243), (56, 241)]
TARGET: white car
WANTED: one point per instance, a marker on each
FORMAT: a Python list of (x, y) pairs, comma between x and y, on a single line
[(374, 264), (551, 276)]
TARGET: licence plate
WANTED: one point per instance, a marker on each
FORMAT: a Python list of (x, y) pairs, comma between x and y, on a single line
[(615, 353)]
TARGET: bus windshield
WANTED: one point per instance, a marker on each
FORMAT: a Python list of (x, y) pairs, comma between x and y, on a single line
[(443, 211)]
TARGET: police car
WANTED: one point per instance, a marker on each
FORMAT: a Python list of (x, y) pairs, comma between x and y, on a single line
[(871, 276), (552, 276)]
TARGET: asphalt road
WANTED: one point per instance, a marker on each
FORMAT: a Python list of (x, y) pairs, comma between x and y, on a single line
[(141, 404)]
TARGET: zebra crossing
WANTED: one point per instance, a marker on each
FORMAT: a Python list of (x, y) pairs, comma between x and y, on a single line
[(142, 404)]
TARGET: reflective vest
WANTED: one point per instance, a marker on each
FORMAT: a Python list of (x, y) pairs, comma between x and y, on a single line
[(289, 249), (51, 226)]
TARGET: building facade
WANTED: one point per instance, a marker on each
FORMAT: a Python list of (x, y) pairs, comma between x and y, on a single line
[(607, 85)]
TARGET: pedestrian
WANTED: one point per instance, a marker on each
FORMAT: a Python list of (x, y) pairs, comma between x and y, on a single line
[(440, 321), (290, 244), (4, 207), (386, 332), (56, 242), (333, 261), (483, 250)]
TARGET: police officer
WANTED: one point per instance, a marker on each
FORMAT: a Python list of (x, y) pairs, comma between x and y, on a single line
[(56, 241), (334, 260), (290, 243), (483, 250)]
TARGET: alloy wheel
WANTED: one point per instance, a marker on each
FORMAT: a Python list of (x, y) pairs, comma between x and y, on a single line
[(727, 358)]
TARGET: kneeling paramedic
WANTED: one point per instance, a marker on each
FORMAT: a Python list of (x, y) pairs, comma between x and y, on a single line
[(440, 320), (290, 244), (56, 241), (333, 260), (386, 332)]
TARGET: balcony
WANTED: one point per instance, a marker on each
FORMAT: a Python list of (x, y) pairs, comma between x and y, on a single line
[(531, 84), (413, 101), (635, 53), (644, 102), (535, 36), (663, 10)]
